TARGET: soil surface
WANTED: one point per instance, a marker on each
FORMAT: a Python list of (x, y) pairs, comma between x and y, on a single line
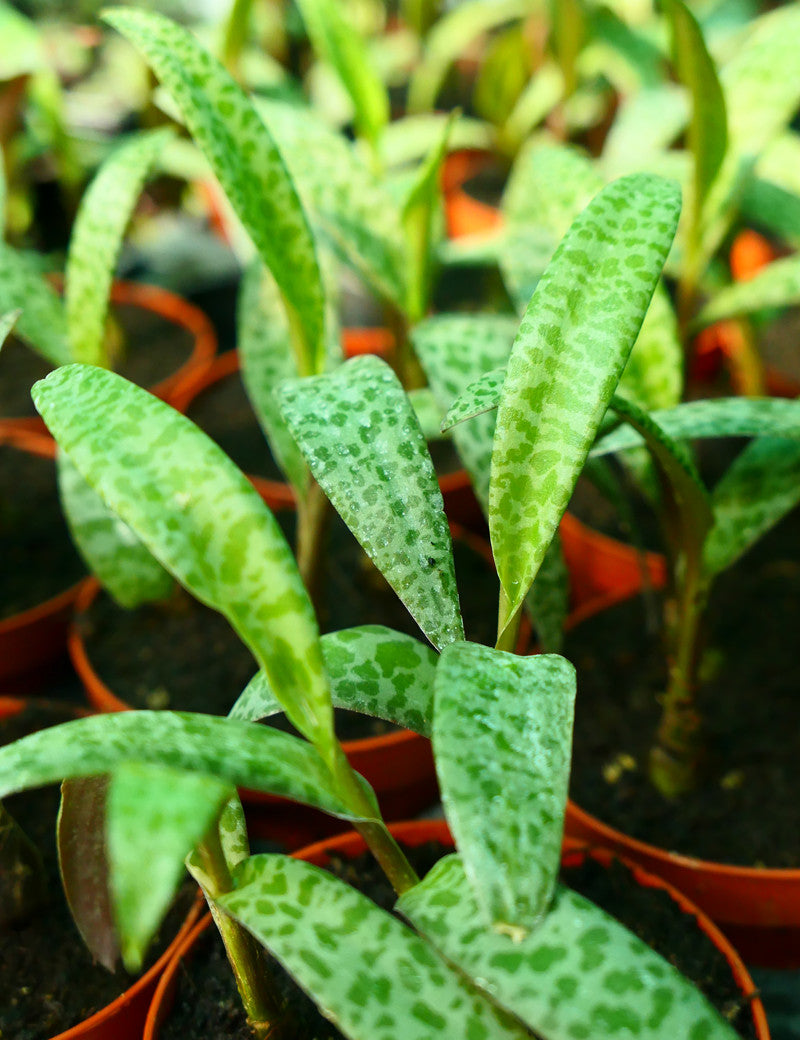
[(150, 349), (207, 1003), (48, 980), (745, 810), (39, 559), (183, 656)]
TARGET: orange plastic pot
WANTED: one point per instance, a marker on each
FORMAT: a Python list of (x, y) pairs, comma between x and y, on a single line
[(465, 215), (419, 832), (33, 639)]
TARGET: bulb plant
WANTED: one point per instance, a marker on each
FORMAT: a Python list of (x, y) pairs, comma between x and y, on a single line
[(495, 947)]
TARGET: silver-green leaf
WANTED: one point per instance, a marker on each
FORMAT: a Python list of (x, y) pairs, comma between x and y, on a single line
[(42, 324)]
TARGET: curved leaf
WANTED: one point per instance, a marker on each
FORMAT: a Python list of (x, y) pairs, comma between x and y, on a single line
[(96, 239), (502, 740), (567, 359), (776, 285), (653, 376), (579, 974), (42, 323), (246, 161), (368, 972), (372, 670), (202, 520), (364, 446), (7, 323)]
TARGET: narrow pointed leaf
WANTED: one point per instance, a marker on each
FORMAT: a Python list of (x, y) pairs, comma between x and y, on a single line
[(579, 974), (245, 160), (695, 68), (653, 376), (502, 739), (113, 553), (364, 446), (569, 354), (339, 43), (454, 350), (83, 863), (758, 490), (7, 323), (480, 397), (156, 816), (721, 417), (232, 831), (548, 187), (41, 324), (645, 125), (153, 467), (429, 414), (410, 138), (372, 670), (241, 753), (349, 205), (368, 972), (777, 285), (265, 352), (96, 240)]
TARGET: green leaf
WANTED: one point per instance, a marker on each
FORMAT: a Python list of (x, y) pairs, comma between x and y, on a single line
[(202, 520), (245, 160), (653, 376), (547, 602), (429, 414), (421, 207), (265, 351), (7, 323), (83, 863), (707, 132), (112, 552), (156, 815), (579, 974), (349, 205), (232, 831), (758, 490), (720, 417), (454, 350), (410, 138), (481, 396), (372, 670), (548, 187), (646, 124), (241, 753), (337, 41), (502, 741), (363, 444), (22, 287), (371, 974), (571, 349), (776, 285), (96, 239)]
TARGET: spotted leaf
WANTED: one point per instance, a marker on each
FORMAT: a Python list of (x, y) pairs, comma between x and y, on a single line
[(245, 160), (547, 602), (363, 444), (410, 138), (502, 739), (569, 354), (579, 974), (368, 972), (372, 670), (202, 520), (776, 285), (113, 553), (758, 489), (96, 239), (240, 753), (155, 816), (41, 324)]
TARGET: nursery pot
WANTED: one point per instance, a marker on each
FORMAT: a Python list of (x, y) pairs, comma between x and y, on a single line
[(33, 639), (465, 215), (419, 832)]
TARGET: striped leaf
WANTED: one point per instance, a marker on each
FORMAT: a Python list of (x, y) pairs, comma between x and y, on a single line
[(368, 972), (569, 354), (579, 974), (363, 444), (202, 520), (371, 669), (96, 240), (41, 324), (245, 160), (502, 741)]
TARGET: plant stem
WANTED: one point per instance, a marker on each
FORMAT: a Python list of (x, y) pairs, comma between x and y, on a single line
[(507, 625), (313, 516), (261, 1003)]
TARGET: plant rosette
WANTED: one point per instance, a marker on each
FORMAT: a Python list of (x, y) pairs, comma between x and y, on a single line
[(411, 834), (36, 637)]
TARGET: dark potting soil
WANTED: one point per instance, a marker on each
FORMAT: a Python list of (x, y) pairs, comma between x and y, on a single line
[(48, 980), (183, 656), (208, 1005), (152, 349), (745, 810), (39, 559)]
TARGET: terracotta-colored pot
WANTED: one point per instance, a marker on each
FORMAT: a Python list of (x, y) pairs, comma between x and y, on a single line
[(173, 309), (465, 215), (419, 832), (33, 639)]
